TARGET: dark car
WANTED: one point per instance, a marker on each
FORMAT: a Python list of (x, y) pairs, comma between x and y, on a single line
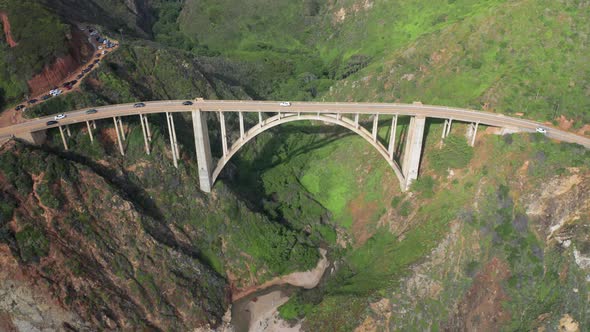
[(91, 111), (85, 70), (51, 122), (73, 82), (136, 105), (66, 84), (45, 97), (97, 61), (187, 103), (19, 107), (90, 66), (32, 101)]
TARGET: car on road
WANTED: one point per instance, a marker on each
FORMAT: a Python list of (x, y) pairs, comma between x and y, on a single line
[(285, 103), (91, 111), (59, 117), (19, 107), (32, 101), (96, 61), (136, 105), (80, 76), (187, 103), (45, 97), (541, 130), (52, 122)]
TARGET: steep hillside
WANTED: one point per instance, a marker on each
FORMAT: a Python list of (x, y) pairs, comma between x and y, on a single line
[(511, 57)]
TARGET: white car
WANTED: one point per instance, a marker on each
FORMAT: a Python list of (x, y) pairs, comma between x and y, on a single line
[(285, 103), (59, 117), (541, 130)]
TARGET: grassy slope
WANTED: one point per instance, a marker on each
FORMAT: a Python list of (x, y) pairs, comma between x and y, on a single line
[(524, 56)]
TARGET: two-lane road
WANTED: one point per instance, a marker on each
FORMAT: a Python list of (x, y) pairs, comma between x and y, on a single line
[(440, 112)]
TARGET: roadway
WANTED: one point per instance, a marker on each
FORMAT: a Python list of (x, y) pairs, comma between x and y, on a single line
[(440, 112)]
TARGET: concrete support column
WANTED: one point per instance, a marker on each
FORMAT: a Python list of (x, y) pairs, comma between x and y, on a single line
[(174, 136), (449, 128), (223, 134), (63, 138), (338, 115), (118, 136), (356, 120), (174, 158), (375, 126), (260, 119), (68, 131), (474, 133), (414, 149), (89, 131), (444, 131), (145, 139), (393, 132), (203, 149), (147, 128), (94, 124), (120, 122), (241, 116)]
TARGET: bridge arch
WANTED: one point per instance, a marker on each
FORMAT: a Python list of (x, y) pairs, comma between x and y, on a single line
[(283, 118)]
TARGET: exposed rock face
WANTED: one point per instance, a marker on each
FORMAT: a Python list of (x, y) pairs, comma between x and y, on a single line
[(97, 258), (62, 67)]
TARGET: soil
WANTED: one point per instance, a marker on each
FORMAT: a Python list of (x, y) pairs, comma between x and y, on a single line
[(361, 212), (481, 307), (7, 32)]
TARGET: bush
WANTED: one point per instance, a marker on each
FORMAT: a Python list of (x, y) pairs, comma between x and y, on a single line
[(456, 153), (405, 209), (425, 186)]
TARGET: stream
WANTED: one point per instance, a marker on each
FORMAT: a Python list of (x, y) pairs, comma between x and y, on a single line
[(257, 311)]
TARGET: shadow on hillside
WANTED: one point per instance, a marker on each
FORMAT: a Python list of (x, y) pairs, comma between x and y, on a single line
[(155, 225)]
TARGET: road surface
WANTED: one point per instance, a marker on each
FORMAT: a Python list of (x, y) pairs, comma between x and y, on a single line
[(440, 112)]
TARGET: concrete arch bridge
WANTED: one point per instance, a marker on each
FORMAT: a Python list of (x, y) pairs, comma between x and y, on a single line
[(271, 114)]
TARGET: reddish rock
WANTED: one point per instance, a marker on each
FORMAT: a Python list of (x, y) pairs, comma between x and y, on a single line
[(52, 75)]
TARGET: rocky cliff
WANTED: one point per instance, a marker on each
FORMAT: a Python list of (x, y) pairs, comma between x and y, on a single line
[(79, 252)]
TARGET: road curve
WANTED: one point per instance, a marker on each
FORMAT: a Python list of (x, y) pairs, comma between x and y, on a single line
[(440, 112)]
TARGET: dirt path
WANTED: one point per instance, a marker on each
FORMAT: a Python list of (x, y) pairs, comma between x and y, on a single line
[(308, 279), (7, 32)]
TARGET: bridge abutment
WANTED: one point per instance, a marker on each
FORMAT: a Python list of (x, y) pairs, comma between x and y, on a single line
[(35, 138), (203, 149)]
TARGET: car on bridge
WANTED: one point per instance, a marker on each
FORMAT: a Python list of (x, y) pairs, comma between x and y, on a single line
[(541, 130), (137, 105), (187, 103), (59, 116), (91, 111), (51, 122), (285, 103)]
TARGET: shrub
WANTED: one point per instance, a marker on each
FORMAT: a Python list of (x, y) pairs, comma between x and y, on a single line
[(456, 153)]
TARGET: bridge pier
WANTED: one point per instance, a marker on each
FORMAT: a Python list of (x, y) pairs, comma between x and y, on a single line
[(118, 136), (63, 138), (375, 126), (356, 120), (413, 151), (474, 133), (68, 131), (120, 122), (145, 138), (392, 134), (223, 134), (90, 132), (171, 135), (241, 116), (203, 149)]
